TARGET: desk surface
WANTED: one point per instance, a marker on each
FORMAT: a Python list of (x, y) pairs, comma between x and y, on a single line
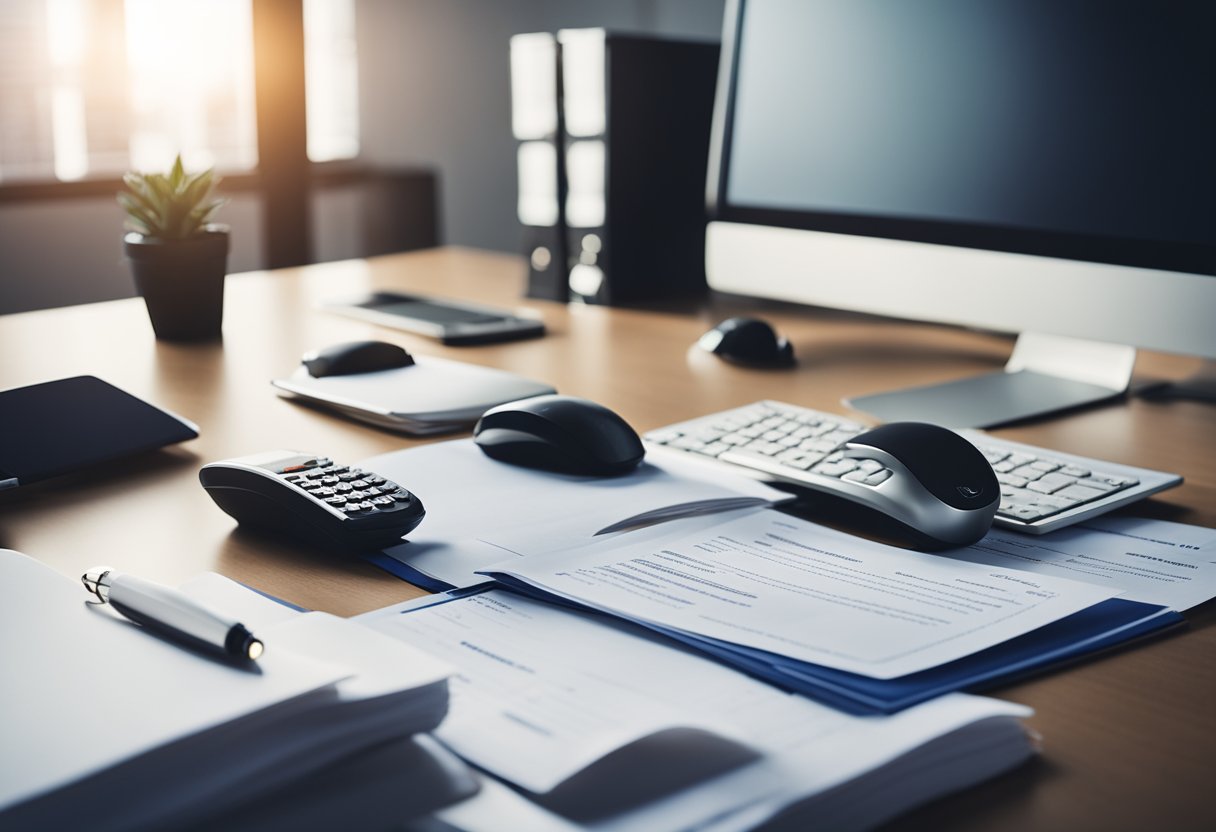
[(1129, 739)]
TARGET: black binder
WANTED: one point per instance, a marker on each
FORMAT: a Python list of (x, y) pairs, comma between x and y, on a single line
[(637, 113), (59, 426)]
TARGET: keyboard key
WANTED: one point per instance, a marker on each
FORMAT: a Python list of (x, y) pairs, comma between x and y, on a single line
[(1027, 472), (1081, 493), (1051, 483), (834, 469)]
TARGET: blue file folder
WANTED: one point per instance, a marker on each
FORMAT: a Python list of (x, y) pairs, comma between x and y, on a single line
[(1110, 623)]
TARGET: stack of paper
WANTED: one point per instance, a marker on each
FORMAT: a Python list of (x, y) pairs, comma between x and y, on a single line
[(601, 725), (107, 726)]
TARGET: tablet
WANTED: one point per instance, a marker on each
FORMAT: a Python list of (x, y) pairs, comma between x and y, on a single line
[(58, 426)]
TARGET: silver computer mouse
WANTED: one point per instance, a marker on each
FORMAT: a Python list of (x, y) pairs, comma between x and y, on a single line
[(936, 482)]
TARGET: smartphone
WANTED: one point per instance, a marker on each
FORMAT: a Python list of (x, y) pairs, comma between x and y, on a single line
[(453, 322)]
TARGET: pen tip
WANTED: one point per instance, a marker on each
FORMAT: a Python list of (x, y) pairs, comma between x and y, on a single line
[(254, 650)]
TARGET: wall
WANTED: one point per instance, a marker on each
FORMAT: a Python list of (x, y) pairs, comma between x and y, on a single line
[(58, 252), (435, 90)]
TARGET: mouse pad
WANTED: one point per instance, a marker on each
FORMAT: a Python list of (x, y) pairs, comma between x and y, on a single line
[(58, 426)]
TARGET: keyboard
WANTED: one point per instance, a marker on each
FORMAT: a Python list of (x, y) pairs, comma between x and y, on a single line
[(1041, 490)]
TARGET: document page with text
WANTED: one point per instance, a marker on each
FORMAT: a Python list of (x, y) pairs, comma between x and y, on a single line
[(775, 583)]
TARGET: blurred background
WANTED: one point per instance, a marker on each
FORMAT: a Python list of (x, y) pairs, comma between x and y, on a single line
[(341, 128)]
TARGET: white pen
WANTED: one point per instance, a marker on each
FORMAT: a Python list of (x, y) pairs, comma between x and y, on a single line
[(165, 609)]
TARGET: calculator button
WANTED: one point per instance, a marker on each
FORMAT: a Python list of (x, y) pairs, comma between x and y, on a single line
[(374, 480), (343, 486), (321, 492), (367, 505), (336, 500), (383, 501), (357, 496), (352, 508), (372, 492), (347, 476), (359, 483), (402, 496), (330, 480)]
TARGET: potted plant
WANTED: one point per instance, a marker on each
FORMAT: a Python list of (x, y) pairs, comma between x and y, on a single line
[(178, 258)]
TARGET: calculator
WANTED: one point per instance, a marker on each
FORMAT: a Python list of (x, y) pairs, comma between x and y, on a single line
[(310, 497)]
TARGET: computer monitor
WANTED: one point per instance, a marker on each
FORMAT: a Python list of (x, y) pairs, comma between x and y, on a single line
[(1040, 167)]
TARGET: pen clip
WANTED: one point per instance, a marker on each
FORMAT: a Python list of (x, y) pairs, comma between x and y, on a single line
[(97, 582)]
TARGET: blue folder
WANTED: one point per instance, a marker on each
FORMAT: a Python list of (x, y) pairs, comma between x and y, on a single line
[(1104, 625)]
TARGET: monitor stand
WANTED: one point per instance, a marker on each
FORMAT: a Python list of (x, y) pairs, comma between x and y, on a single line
[(1045, 374)]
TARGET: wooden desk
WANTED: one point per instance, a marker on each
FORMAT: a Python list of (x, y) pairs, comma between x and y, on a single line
[(1129, 740)]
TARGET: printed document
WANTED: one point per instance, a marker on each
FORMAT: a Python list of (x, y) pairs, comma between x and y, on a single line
[(771, 582), (468, 496), (1154, 561), (541, 693)]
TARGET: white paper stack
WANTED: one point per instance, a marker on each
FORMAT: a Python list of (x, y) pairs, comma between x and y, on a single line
[(107, 726)]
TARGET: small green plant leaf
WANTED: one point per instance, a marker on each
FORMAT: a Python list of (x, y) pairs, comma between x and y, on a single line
[(171, 206)]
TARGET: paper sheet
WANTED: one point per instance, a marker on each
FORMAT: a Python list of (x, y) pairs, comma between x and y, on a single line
[(771, 582), (1155, 561), (574, 681), (467, 496)]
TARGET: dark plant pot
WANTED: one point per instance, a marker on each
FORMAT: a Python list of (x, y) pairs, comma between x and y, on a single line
[(182, 282)]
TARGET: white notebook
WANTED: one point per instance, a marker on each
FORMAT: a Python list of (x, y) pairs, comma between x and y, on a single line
[(431, 396)]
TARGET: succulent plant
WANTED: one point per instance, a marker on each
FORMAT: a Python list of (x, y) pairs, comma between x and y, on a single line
[(170, 206)]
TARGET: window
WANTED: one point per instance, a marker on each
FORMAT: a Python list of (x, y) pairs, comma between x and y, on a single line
[(331, 79), (91, 88)]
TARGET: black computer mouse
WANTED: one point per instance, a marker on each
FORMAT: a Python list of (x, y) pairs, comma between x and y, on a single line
[(356, 357), (940, 484), (748, 341), (559, 433)]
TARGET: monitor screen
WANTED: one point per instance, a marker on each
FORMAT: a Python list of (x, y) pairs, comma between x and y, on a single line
[(1067, 128), (1060, 132)]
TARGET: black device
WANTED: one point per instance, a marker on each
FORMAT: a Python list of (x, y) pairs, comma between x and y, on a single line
[(58, 426), (932, 480), (560, 433), (628, 174), (355, 357), (455, 323), (311, 498), (748, 341)]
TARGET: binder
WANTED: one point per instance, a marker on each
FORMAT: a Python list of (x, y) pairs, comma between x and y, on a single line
[(636, 112), (536, 123)]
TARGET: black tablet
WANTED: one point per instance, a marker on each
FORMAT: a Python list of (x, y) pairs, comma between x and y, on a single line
[(58, 426)]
